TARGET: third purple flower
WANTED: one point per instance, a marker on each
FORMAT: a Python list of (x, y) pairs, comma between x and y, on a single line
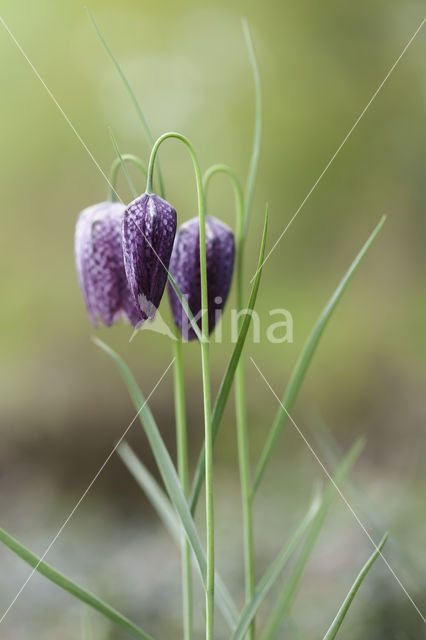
[(185, 269)]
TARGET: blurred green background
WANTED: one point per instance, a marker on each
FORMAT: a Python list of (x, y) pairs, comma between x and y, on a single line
[(63, 405)]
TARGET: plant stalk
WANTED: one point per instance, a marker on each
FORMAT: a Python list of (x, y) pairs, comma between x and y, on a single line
[(205, 367), (240, 395), (182, 457), (125, 157)]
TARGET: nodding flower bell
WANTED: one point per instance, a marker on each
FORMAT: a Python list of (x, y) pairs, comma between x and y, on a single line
[(185, 269), (100, 266), (148, 232)]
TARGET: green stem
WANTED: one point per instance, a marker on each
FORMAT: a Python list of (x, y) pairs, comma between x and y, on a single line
[(122, 163), (205, 365), (240, 395), (115, 167), (239, 228), (245, 479), (182, 455), (180, 418), (228, 378)]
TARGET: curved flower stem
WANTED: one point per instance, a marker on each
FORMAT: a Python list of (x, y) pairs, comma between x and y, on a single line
[(113, 173), (239, 227), (179, 385), (182, 455), (182, 300), (240, 395), (205, 355), (122, 163)]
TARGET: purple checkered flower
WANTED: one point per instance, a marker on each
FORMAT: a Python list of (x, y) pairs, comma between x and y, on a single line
[(148, 232), (185, 269), (100, 267)]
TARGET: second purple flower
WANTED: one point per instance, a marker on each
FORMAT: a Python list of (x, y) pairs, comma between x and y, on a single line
[(148, 232)]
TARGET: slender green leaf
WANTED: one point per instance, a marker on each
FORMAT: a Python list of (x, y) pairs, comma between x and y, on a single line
[(167, 515), (331, 452), (228, 378), (305, 358), (152, 490), (163, 460), (131, 93), (288, 591), (273, 573), (335, 625), (257, 136), (162, 457), (68, 585)]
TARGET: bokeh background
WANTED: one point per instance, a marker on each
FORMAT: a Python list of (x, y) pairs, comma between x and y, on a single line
[(62, 404)]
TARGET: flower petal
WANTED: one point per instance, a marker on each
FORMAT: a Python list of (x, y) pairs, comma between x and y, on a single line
[(185, 269), (148, 232)]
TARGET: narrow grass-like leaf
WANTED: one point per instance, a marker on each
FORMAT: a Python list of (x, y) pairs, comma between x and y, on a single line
[(152, 490), (162, 457), (68, 585), (335, 625), (257, 137), (163, 460), (331, 452), (288, 591), (305, 358), (228, 378), (131, 93), (273, 573), (167, 515)]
